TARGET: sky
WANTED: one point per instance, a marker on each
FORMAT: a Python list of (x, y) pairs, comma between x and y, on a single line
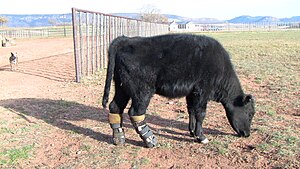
[(219, 9)]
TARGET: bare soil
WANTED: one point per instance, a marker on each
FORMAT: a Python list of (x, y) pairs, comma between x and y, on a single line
[(67, 128)]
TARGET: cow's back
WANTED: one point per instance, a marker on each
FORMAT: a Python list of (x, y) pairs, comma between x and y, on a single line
[(174, 63)]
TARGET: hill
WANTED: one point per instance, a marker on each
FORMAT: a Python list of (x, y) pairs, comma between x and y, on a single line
[(171, 18), (255, 19), (37, 20)]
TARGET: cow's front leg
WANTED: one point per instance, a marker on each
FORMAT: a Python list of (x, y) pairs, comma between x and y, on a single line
[(197, 110), (199, 134), (195, 125), (137, 113), (144, 130), (192, 123)]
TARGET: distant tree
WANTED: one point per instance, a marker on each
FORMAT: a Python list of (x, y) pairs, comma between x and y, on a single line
[(3, 20), (151, 13), (53, 22)]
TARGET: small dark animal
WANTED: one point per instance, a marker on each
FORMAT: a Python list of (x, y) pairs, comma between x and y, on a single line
[(13, 60), (174, 65)]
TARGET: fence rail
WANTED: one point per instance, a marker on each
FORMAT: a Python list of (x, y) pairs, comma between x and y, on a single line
[(93, 31), (43, 32), (259, 26)]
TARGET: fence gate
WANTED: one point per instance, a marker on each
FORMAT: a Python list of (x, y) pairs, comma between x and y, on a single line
[(93, 31)]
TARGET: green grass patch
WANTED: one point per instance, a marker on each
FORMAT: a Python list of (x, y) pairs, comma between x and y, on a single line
[(85, 147), (221, 147), (138, 163), (11, 156), (284, 142), (4, 130), (271, 59), (165, 145), (271, 113)]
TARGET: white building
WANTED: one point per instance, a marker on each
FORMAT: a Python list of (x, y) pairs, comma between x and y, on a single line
[(190, 26)]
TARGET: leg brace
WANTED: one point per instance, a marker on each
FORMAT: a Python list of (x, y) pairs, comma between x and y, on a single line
[(144, 130), (115, 121)]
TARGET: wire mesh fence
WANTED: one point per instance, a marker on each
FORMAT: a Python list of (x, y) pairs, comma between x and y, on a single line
[(93, 31)]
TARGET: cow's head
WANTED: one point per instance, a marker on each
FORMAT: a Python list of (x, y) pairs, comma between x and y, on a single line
[(239, 113)]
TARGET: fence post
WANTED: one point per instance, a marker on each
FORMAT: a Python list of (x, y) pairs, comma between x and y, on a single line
[(81, 44), (97, 41), (92, 45), (87, 44), (101, 40), (87, 47), (75, 39)]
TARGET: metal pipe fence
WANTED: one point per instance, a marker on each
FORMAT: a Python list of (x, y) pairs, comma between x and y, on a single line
[(45, 32), (93, 32)]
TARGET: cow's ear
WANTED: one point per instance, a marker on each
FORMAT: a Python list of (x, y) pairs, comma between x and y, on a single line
[(241, 101), (248, 98), (238, 101)]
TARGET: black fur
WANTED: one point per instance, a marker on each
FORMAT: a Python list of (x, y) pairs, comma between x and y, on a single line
[(176, 65)]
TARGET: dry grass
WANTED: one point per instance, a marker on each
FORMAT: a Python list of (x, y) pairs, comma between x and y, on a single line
[(73, 133)]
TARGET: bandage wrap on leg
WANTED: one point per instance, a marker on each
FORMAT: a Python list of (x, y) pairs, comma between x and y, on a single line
[(144, 130), (115, 121), (114, 118)]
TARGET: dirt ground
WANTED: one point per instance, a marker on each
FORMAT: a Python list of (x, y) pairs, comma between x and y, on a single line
[(66, 128)]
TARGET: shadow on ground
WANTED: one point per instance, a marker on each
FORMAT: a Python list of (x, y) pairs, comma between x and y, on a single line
[(60, 113), (57, 67)]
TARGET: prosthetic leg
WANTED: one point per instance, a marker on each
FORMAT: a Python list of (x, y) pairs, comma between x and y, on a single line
[(115, 121), (144, 130)]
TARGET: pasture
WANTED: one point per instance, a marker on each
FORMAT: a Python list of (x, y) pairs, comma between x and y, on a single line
[(49, 121)]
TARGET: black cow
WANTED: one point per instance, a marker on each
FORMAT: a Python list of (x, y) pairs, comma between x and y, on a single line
[(173, 65)]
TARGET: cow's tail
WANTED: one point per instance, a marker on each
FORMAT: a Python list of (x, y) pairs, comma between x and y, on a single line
[(109, 74)]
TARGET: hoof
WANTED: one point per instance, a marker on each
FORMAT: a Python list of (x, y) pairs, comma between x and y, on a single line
[(151, 141), (192, 134), (118, 136), (146, 134), (205, 141), (202, 139), (119, 140)]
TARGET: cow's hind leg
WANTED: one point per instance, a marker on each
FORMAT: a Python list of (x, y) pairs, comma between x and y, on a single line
[(197, 110), (137, 116), (116, 108)]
